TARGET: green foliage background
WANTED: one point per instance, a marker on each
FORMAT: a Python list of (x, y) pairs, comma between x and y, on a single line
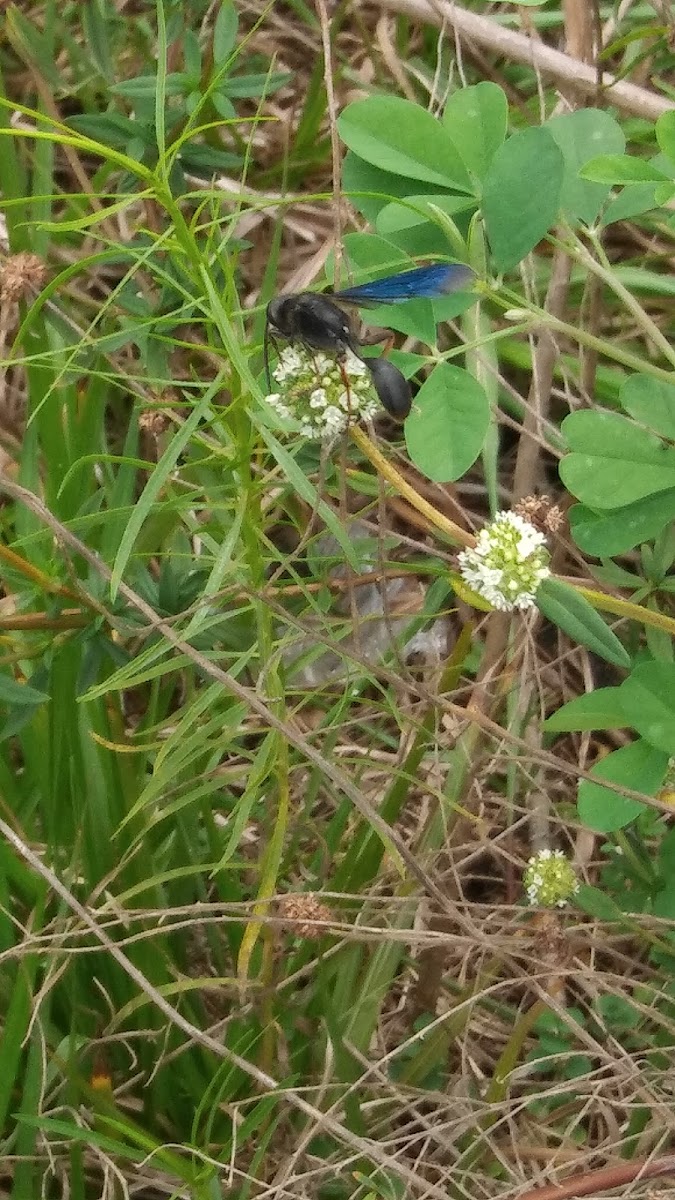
[(175, 755)]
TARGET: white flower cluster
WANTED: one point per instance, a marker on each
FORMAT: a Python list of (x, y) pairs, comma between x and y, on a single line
[(313, 392), (550, 879), (508, 562)]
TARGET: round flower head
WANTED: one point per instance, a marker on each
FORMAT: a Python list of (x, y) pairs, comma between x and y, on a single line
[(312, 390), (508, 562), (549, 879)]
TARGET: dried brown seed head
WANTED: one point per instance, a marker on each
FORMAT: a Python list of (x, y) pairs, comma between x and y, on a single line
[(153, 421), (541, 512), (301, 911), (21, 275)]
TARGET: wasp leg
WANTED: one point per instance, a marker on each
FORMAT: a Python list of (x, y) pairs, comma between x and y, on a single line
[(348, 390)]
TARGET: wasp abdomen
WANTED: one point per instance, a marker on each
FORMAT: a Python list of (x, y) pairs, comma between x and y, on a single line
[(391, 386)]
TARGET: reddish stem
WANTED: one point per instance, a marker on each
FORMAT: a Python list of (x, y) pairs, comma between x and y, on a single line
[(603, 1180)]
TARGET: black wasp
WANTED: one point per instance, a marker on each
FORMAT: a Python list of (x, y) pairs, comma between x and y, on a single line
[(319, 323)]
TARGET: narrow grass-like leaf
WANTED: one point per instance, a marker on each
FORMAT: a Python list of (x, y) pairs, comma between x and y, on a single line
[(573, 613), (18, 1006), (156, 482), (28, 1172)]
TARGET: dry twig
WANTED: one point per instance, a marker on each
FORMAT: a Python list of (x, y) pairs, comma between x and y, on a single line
[(564, 69)]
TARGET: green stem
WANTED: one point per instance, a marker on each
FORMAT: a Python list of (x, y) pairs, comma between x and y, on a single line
[(510, 1055), (496, 1091), (506, 299), (624, 608), (601, 267)]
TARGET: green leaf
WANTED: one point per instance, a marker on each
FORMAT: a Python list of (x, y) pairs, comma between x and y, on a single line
[(666, 854), (207, 158), (598, 904), (581, 135), (573, 613), (621, 168), (637, 766), (600, 709), (651, 402), (415, 319), (605, 535), (144, 87), (639, 279), (192, 56), (445, 432), (664, 901), (18, 695), (476, 119), (34, 46), (631, 201), (254, 85), (663, 194), (223, 106), (369, 256), (648, 699), (521, 195), (665, 134), (18, 1005), (403, 138), (415, 210), (612, 461), (370, 189), (97, 33), (153, 487), (224, 32), (112, 129)]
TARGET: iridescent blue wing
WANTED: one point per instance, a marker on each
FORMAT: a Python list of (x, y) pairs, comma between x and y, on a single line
[(429, 283)]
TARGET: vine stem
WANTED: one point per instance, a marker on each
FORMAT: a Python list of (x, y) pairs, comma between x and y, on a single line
[(461, 537)]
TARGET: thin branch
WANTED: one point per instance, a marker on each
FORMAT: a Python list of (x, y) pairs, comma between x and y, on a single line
[(564, 69), (336, 151)]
